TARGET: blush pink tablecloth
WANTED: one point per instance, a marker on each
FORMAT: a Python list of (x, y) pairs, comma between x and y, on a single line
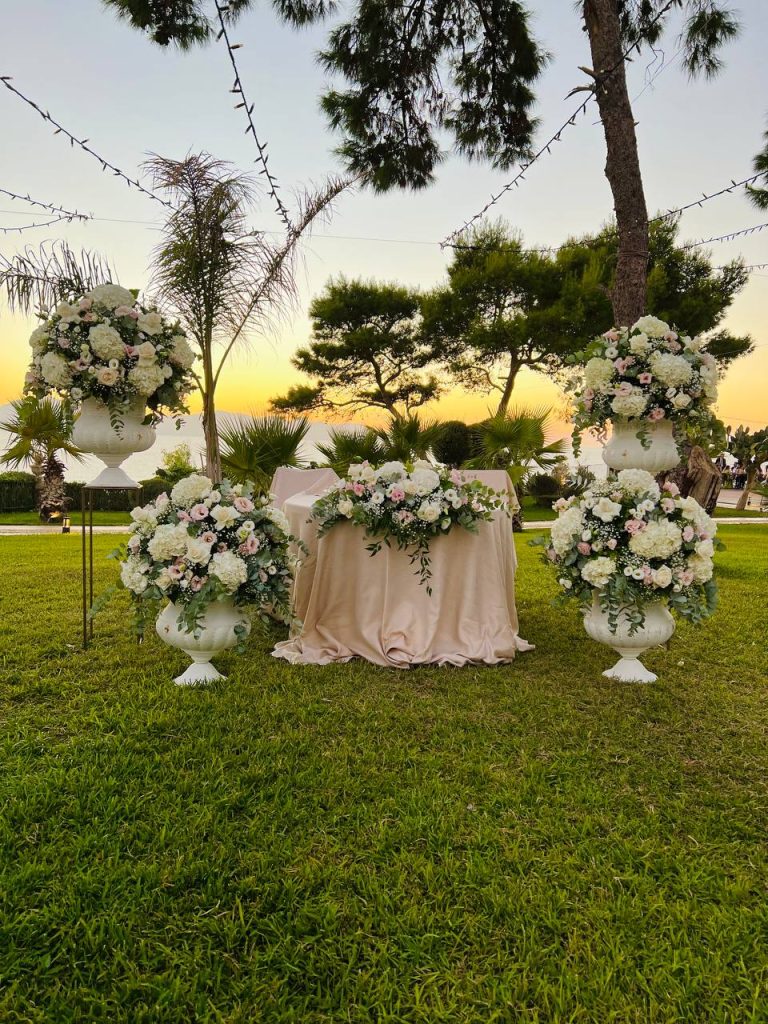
[(357, 605)]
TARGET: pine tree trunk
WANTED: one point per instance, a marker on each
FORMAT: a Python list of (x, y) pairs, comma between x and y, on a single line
[(744, 496), (622, 167), (509, 384)]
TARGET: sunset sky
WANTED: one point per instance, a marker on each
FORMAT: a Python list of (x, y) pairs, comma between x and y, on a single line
[(107, 83)]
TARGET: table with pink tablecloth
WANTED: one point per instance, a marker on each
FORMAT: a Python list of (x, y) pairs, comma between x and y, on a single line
[(354, 604)]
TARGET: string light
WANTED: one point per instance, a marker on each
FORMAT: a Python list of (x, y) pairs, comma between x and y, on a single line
[(82, 143), (51, 207), (237, 88), (37, 224)]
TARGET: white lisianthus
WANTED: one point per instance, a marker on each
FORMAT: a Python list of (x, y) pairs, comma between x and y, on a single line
[(191, 489), (146, 378), (225, 515), (701, 567), (55, 370), (672, 370), (637, 482), (660, 539), (150, 323), (630, 406), (38, 340), (428, 512), (606, 510), (392, 471), (229, 568), (598, 571), (424, 481), (169, 541), (652, 326), (198, 552), (662, 577), (598, 373), (111, 296), (565, 528), (346, 507), (639, 344), (181, 353)]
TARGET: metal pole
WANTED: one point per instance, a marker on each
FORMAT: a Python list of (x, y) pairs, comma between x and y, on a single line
[(90, 545), (82, 535)]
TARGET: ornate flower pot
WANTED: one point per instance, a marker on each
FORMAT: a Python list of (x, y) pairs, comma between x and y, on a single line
[(624, 450), (216, 634), (93, 432), (657, 629)]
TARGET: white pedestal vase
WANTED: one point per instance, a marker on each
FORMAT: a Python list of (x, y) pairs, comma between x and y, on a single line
[(625, 451), (656, 630), (216, 634), (93, 433)]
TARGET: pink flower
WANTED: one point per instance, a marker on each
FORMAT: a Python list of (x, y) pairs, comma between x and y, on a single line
[(198, 512), (688, 534), (583, 548), (134, 544), (668, 505), (612, 335), (589, 394), (673, 346), (221, 546), (455, 476), (656, 414), (209, 537), (634, 526), (123, 311), (645, 378), (672, 487), (670, 336), (130, 350), (625, 388), (185, 517), (85, 303), (89, 318), (243, 504), (551, 554), (195, 583), (175, 572), (79, 364), (396, 494), (358, 488), (250, 545), (611, 543), (686, 577), (63, 342)]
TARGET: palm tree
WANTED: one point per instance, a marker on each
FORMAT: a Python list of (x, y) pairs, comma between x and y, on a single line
[(407, 437), (42, 429), (345, 447), (253, 448), (224, 280), (36, 279), (516, 441)]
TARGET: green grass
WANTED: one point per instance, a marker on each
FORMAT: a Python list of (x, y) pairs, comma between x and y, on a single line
[(33, 519), (533, 512), (309, 845), (723, 511)]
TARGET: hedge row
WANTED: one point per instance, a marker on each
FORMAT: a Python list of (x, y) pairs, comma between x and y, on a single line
[(19, 496)]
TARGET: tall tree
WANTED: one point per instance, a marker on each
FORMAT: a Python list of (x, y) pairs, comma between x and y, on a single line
[(414, 71), (224, 281), (751, 449), (759, 192), (366, 352)]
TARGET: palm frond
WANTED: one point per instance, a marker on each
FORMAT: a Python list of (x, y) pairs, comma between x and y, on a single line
[(253, 448), (345, 447), (36, 279), (40, 428)]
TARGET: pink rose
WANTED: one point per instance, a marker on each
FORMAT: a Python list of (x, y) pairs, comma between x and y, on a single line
[(89, 318), (634, 526), (688, 534), (672, 487), (124, 311), (456, 476), (209, 537), (185, 517), (589, 394), (625, 388), (673, 346), (612, 335), (670, 336), (397, 494), (130, 350), (551, 554), (686, 577), (611, 543), (198, 512), (656, 414), (63, 342), (583, 548), (243, 504), (85, 303), (358, 488), (645, 378)]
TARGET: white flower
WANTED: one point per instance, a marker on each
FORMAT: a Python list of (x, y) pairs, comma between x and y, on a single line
[(660, 539), (565, 528), (672, 370), (391, 471), (598, 571), (424, 481), (181, 354), (38, 340), (651, 326), (662, 577), (133, 574), (639, 344), (693, 344), (106, 342), (190, 490), (107, 376), (146, 378), (346, 507), (630, 406), (150, 323), (144, 518), (198, 552), (691, 509), (229, 568), (378, 498), (163, 579), (606, 510), (225, 515), (423, 464), (169, 541), (701, 567), (110, 295), (367, 474), (146, 352), (55, 370), (278, 518), (637, 482), (705, 548), (681, 400), (598, 373), (428, 512), (68, 312)]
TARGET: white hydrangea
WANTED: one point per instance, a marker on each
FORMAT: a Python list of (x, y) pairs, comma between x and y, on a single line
[(106, 342), (701, 567), (169, 541), (606, 509), (191, 489), (423, 482), (630, 406), (652, 326), (146, 378), (150, 323), (672, 370), (55, 370), (181, 353), (660, 539), (38, 340), (568, 525), (598, 373), (598, 571), (133, 574), (111, 296), (229, 568), (391, 471), (639, 344), (638, 481)]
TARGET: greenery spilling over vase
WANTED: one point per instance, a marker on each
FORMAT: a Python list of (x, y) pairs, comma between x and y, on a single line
[(206, 543), (634, 545), (407, 504), (643, 374), (105, 345)]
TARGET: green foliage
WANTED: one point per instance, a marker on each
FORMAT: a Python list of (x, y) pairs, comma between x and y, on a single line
[(17, 492), (347, 446), (176, 464), (366, 352), (253, 447), (517, 442), (18, 476), (453, 446), (759, 193), (409, 438), (543, 486)]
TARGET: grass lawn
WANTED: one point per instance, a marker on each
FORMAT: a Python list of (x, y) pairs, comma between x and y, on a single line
[(33, 519), (723, 511), (534, 512), (307, 845)]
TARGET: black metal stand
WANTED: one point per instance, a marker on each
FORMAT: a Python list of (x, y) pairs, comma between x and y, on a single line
[(87, 548)]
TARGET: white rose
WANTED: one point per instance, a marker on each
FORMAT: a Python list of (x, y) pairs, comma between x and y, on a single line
[(198, 552), (346, 507), (150, 323), (651, 326), (705, 548), (68, 312), (107, 376), (606, 510), (662, 577), (701, 567), (144, 518), (428, 512), (681, 400), (146, 352), (106, 342)]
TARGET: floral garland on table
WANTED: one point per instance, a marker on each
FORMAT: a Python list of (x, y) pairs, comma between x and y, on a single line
[(407, 504), (634, 545), (206, 543), (106, 345), (644, 374)]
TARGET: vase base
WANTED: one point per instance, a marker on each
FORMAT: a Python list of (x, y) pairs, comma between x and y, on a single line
[(198, 674), (630, 670), (115, 477)]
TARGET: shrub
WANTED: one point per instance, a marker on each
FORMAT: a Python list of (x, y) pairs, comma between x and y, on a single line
[(578, 482), (17, 495), (543, 487), (454, 444), (17, 475)]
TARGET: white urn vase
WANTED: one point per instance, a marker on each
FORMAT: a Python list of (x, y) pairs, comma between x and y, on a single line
[(218, 630), (656, 630), (94, 433), (624, 450)]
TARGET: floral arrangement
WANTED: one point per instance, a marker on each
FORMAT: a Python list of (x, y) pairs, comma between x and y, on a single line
[(645, 374), (107, 346), (206, 543), (634, 544), (407, 504)]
